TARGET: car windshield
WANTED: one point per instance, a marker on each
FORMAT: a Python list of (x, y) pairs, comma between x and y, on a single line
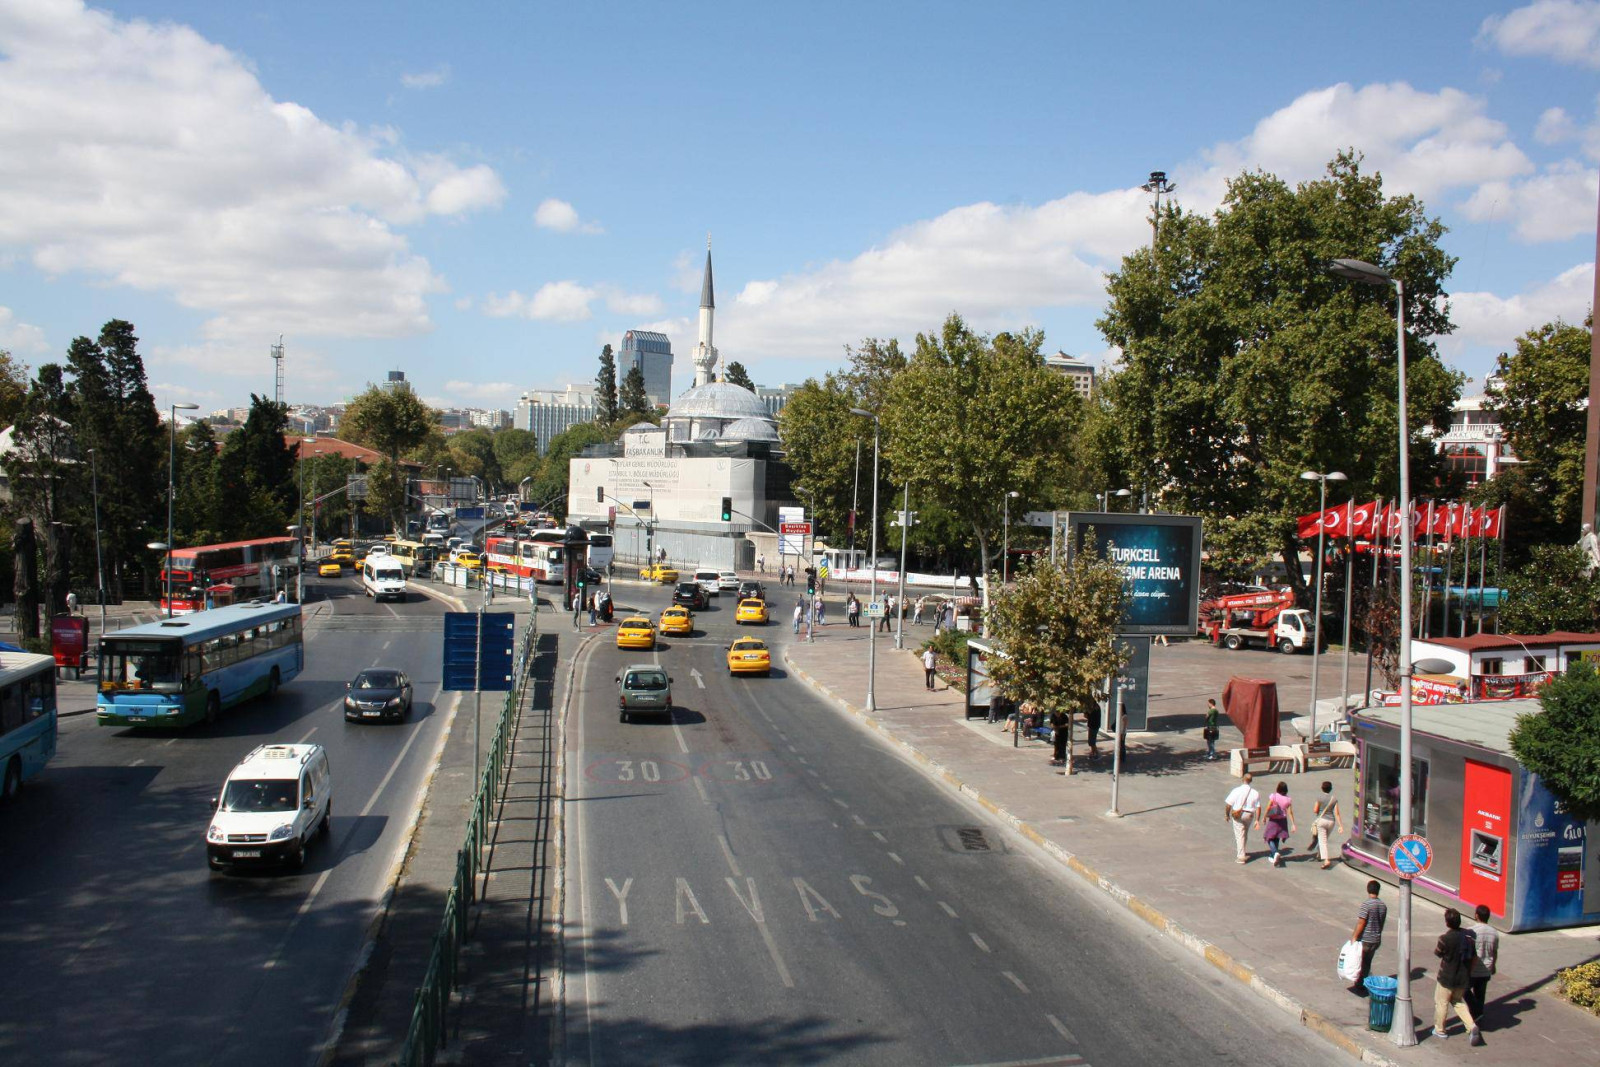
[(271, 794), (140, 664), (646, 680), (378, 680), (750, 604), (749, 646), (636, 624)]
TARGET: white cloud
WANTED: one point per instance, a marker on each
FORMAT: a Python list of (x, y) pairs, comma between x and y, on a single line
[(145, 155), (558, 215), (19, 337), (1555, 126), (463, 303), (633, 303), (563, 301), (1555, 205), (480, 394), (1565, 30), (427, 79), (1495, 322)]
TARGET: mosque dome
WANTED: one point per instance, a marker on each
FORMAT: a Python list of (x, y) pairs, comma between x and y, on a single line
[(718, 400), (750, 430)]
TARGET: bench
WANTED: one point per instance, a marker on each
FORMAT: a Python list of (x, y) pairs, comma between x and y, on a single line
[(1326, 753), (1281, 758)]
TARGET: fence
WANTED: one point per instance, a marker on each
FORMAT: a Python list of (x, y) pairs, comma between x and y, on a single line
[(427, 1033)]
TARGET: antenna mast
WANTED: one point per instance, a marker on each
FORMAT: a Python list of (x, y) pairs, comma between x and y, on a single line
[(277, 366)]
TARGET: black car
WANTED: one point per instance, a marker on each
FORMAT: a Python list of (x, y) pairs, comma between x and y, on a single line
[(690, 595), (750, 589), (378, 694)]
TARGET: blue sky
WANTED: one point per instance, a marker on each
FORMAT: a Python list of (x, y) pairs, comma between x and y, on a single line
[(482, 195)]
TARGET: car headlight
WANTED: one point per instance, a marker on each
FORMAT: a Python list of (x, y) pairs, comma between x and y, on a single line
[(392, 702), (281, 833), (214, 833), (349, 702)]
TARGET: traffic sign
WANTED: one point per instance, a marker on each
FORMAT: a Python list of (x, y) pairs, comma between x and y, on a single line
[(1410, 855), (474, 661), (875, 609), (801, 528)]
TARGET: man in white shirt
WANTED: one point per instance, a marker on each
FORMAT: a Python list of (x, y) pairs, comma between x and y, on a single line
[(1240, 810), (928, 662)]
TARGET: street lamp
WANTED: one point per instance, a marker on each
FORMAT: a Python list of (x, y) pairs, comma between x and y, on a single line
[(172, 452), (300, 530), (900, 600), (1005, 543), (1105, 497), (1405, 1025), (1322, 481), (872, 632), (650, 526), (99, 569), (811, 595)]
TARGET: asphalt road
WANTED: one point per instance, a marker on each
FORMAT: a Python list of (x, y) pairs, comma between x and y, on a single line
[(761, 881), (118, 945)]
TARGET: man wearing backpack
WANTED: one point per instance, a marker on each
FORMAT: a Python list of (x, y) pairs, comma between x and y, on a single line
[(1456, 951)]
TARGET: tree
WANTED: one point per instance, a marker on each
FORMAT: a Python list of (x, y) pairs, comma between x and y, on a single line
[(13, 388), (478, 445), (1541, 401), (970, 419), (1245, 363), (42, 468), (25, 579), (195, 513), (605, 388), (386, 489), (390, 421), (1561, 743), (737, 375), (512, 445), (549, 487), (872, 367), (1551, 593), (634, 400), (820, 437), (324, 476), (256, 488), (1057, 627)]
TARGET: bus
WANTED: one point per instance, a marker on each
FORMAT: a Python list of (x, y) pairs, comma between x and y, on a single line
[(230, 572), (542, 555), (27, 717), (173, 672), (416, 557), (600, 551)]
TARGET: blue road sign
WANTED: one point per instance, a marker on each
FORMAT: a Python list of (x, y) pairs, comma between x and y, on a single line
[(499, 641), (460, 672), (474, 662), (469, 514), (1410, 855)]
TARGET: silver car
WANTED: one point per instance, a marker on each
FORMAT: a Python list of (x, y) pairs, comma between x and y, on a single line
[(646, 688)]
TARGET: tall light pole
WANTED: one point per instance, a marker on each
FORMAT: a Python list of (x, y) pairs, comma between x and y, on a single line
[(1322, 481), (1156, 186), (300, 530), (1005, 541), (1105, 497), (650, 526), (99, 569), (172, 452), (811, 597), (1405, 1025), (900, 600), (872, 632), (855, 503)]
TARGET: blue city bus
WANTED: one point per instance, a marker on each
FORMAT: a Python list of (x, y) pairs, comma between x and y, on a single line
[(173, 672), (27, 717)]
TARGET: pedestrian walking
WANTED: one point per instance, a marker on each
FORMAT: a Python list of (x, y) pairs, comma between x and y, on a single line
[(799, 615), (1456, 953), (852, 610), (1370, 918), (1324, 816), (1278, 819), (282, 597), (916, 615), (594, 611), (1240, 808), (938, 619), (888, 610), (1059, 721), (928, 673), (1212, 730), (72, 603), (1091, 714), (822, 612), (1486, 943), (761, 564)]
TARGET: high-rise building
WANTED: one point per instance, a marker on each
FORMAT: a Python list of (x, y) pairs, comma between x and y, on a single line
[(397, 380), (651, 353), (1081, 373), (547, 412)]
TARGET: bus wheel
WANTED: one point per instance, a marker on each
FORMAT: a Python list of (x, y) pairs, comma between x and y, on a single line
[(273, 682), (213, 707), (13, 784)]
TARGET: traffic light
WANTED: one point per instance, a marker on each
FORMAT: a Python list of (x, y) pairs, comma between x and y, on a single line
[(727, 509), (599, 494), (811, 579)]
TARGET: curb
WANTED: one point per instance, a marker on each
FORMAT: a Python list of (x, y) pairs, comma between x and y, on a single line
[(460, 605), (369, 944), (1217, 957), (558, 841)]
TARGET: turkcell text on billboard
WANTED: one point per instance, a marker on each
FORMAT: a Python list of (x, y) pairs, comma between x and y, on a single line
[(1160, 559)]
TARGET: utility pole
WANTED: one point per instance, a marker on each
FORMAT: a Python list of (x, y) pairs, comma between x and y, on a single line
[(277, 370), (1591, 442), (900, 601)]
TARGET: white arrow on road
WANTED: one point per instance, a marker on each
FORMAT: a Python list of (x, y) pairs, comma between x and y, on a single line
[(697, 679)]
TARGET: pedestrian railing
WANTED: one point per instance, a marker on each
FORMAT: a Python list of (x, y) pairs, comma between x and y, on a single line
[(428, 1032)]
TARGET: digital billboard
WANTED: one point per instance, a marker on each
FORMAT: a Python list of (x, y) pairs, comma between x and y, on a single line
[(1160, 560)]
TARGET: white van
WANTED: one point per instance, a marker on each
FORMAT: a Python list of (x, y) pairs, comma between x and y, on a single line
[(273, 803), (710, 581), (383, 576)]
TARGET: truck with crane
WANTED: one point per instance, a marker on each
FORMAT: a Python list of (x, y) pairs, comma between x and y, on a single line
[(1263, 617)]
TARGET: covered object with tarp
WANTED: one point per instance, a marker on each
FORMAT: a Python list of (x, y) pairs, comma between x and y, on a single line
[(1252, 704)]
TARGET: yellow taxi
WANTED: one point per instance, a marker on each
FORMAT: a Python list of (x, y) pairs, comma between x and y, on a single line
[(749, 656), (343, 552), (329, 569), (636, 631), (751, 610), (470, 560), (659, 572), (677, 621)]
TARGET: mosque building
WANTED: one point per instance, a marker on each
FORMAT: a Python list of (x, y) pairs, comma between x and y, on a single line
[(661, 487)]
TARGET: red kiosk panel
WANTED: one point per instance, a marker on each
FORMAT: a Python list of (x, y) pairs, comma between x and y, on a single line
[(1485, 815)]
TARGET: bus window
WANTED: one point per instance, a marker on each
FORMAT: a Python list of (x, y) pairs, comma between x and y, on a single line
[(139, 664)]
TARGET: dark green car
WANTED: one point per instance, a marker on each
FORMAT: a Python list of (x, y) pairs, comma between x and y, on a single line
[(644, 687)]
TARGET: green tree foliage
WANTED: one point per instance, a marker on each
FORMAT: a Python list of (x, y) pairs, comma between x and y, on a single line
[(634, 400), (1552, 593), (1245, 362), (1541, 403), (388, 420), (325, 475), (605, 388), (196, 511), (511, 445), (13, 388), (1057, 625), (820, 437), (549, 487), (256, 488), (386, 491), (737, 375), (1561, 743), (871, 367), (43, 467), (475, 453), (970, 418)]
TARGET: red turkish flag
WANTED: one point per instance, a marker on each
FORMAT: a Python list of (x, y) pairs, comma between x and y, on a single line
[(1336, 521), (1363, 517), (1492, 522), (1306, 525)]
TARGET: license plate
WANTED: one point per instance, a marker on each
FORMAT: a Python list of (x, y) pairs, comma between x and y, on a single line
[(372, 714), (247, 853), (138, 718)]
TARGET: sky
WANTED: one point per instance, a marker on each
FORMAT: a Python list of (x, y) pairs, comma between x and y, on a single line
[(483, 194)]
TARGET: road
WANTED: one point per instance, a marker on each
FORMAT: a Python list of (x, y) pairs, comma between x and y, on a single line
[(118, 945), (760, 880)]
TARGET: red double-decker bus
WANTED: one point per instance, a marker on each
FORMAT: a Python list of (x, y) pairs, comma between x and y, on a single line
[(229, 572)]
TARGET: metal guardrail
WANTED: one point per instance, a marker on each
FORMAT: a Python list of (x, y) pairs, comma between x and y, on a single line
[(427, 1034)]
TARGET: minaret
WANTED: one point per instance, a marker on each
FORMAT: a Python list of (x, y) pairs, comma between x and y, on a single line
[(705, 353)]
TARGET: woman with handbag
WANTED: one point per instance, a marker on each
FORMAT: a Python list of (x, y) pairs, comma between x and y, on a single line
[(1327, 814), (1211, 731), (1278, 816)]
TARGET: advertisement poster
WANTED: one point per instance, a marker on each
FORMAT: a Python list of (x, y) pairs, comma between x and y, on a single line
[(1550, 861), (1485, 816), (1160, 558)]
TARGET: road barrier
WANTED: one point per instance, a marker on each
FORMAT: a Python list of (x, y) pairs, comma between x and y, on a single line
[(428, 1032)]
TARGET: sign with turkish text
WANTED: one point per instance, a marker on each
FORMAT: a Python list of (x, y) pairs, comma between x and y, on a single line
[(1160, 560), (1410, 855)]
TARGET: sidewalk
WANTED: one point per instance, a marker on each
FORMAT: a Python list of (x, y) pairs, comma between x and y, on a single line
[(1169, 859)]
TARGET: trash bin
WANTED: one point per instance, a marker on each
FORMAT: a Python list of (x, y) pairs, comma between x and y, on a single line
[(1380, 1001)]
